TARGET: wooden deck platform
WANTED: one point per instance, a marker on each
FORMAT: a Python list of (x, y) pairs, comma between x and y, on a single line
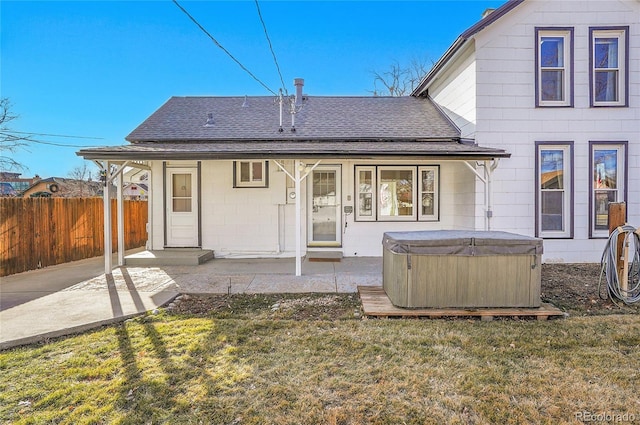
[(376, 303)]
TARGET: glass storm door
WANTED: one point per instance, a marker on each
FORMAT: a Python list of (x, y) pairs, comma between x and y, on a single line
[(325, 222), (182, 208)]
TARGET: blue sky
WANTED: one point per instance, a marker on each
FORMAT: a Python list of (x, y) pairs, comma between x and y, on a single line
[(99, 68)]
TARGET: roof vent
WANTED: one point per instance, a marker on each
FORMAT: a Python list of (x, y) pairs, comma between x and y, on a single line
[(209, 122), (487, 12), (245, 103), (299, 83)]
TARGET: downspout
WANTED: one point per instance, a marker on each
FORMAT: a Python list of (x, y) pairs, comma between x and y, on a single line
[(490, 167)]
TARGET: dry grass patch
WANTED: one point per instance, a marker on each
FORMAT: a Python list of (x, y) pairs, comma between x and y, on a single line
[(183, 369)]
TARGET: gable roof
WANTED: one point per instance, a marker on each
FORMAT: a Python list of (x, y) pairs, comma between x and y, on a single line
[(462, 40), (184, 119)]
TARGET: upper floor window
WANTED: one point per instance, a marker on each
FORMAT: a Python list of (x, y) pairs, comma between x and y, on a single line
[(609, 66), (554, 66), (250, 174)]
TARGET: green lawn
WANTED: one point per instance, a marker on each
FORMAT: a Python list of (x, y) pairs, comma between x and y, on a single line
[(239, 369)]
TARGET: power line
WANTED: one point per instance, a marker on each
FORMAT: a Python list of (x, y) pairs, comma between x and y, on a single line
[(42, 142), (53, 135), (264, 26), (26, 140), (223, 49)]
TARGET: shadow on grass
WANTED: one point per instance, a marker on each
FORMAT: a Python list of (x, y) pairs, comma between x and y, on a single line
[(146, 399)]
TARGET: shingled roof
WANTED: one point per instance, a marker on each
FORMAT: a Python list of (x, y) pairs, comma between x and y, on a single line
[(320, 118), (337, 127)]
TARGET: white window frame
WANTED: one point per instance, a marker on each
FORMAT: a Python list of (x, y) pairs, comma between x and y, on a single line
[(416, 193), (566, 149), (424, 191), (597, 228), (567, 68), (621, 35), (371, 191), (253, 182), (396, 202)]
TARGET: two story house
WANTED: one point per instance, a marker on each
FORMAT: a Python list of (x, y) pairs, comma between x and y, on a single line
[(556, 84)]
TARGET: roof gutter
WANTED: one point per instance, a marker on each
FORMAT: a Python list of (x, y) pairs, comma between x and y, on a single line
[(453, 51)]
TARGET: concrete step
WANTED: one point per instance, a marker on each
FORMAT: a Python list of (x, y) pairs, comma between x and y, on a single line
[(169, 257), (324, 256)]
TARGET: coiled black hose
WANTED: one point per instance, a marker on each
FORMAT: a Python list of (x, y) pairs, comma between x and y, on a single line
[(608, 264)]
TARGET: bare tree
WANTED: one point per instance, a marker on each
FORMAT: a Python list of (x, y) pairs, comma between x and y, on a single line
[(80, 182), (399, 80), (10, 141)]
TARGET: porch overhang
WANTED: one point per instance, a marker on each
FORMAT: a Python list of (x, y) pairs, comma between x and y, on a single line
[(294, 149), (139, 153)]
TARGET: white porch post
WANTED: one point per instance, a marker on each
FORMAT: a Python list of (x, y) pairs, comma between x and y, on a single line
[(486, 178), (296, 181), (106, 195), (120, 218)]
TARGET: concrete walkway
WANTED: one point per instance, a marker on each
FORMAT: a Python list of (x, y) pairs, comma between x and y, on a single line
[(73, 297)]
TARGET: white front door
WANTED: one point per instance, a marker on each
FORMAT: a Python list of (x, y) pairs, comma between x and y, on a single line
[(182, 208), (325, 218)]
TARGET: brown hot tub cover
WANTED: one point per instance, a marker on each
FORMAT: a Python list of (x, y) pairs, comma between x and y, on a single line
[(461, 242)]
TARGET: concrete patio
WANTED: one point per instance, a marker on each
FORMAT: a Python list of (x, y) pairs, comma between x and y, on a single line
[(77, 296)]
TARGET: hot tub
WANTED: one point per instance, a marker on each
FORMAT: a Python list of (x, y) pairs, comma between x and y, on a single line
[(465, 269)]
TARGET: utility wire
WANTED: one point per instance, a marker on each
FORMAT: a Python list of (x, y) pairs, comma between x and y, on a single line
[(264, 26), (26, 140), (223, 49), (53, 135)]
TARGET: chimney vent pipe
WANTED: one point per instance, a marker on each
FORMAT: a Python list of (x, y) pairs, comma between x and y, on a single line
[(299, 83)]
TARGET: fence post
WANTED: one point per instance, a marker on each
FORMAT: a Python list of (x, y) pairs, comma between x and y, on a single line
[(617, 218)]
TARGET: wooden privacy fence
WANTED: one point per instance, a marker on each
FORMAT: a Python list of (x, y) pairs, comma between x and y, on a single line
[(40, 232)]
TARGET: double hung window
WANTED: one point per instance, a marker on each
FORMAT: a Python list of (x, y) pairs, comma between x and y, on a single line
[(554, 61), (554, 194), (607, 184), (609, 65)]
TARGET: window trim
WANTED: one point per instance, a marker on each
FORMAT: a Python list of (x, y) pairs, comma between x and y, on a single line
[(622, 34), (250, 184), (567, 34), (417, 210), (374, 198), (623, 179), (414, 215), (436, 189), (569, 172)]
